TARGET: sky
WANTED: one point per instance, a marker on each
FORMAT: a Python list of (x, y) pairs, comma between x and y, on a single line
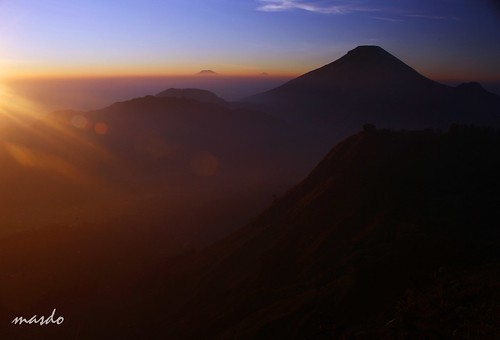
[(443, 39)]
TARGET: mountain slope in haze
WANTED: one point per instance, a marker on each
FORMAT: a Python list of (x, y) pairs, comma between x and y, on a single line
[(159, 155), (187, 149), (394, 234), (369, 85), (169, 132)]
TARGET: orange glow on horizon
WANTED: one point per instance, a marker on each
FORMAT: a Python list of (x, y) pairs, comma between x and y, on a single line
[(42, 76), (33, 71), (191, 71)]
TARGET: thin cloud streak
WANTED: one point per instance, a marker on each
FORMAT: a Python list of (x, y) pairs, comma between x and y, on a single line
[(286, 5), (431, 17), (328, 7), (388, 19)]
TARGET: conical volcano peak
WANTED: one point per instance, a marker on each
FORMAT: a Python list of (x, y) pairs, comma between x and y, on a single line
[(367, 49), (369, 84), (371, 54), (364, 68)]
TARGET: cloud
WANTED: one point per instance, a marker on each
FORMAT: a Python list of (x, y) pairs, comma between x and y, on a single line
[(431, 17), (388, 19), (347, 7), (315, 7)]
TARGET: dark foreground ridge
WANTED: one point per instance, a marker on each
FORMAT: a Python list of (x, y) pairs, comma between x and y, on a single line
[(394, 234)]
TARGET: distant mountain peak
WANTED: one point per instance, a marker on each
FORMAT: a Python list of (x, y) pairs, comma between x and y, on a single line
[(207, 73)]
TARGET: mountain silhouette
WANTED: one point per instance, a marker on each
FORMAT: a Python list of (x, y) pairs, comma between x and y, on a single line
[(207, 73), (369, 84), (163, 139), (363, 68), (194, 94)]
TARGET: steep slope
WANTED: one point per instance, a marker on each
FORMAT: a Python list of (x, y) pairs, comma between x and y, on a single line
[(383, 220), (369, 84)]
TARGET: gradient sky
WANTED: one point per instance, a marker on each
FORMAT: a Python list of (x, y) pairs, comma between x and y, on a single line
[(443, 39)]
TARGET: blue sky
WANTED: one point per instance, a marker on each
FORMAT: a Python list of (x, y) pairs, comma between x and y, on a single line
[(452, 39)]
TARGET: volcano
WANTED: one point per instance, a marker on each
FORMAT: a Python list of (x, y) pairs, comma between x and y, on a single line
[(369, 84), (361, 69)]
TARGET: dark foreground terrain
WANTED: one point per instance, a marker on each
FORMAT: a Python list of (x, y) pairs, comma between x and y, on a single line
[(393, 235)]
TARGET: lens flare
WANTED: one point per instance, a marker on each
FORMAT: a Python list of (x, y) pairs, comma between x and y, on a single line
[(15, 109), (101, 128), (80, 122), (36, 139)]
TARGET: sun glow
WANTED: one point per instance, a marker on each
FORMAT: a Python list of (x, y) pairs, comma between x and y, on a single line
[(16, 108), (34, 139)]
